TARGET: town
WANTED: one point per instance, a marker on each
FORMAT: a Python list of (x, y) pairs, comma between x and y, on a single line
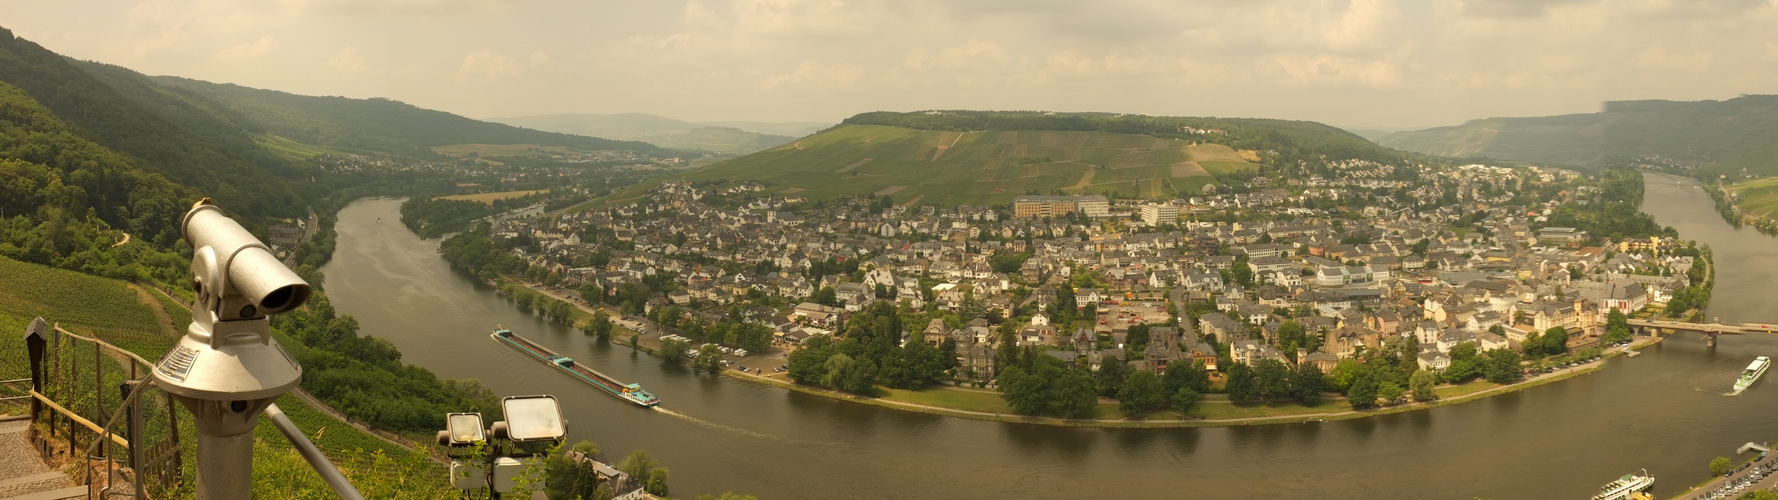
[(1362, 274)]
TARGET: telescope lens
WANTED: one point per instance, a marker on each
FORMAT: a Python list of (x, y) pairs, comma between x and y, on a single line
[(279, 300)]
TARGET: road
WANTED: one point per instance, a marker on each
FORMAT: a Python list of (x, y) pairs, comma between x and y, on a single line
[(1704, 492)]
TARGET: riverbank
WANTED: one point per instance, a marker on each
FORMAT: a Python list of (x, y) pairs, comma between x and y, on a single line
[(1221, 416)]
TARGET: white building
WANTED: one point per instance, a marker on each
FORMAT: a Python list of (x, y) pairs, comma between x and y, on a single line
[(1157, 213)]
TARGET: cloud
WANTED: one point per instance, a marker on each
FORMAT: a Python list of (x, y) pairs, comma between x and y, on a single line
[(349, 60), (1514, 9), (251, 50), (489, 65), (815, 75)]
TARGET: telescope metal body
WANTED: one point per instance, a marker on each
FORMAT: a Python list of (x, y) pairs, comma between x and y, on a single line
[(227, 369)]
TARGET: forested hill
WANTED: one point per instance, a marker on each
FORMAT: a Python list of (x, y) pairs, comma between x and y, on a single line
[(373, 124), (1714, 137), (221, 163), (1289, 138)]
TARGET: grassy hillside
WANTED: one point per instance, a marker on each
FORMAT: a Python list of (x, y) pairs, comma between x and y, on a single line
[(125, 316), (1571, 140), (662, 131), (1736, 137), (195, 150), (953, 167), (375, 124)]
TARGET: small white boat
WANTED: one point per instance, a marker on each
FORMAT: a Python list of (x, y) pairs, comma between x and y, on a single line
[(1754, 371)]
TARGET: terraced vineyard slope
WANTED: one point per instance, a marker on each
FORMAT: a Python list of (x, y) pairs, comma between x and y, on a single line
[(993, 157)]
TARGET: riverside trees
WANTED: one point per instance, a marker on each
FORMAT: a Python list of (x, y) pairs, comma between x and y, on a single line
[(869, 353)]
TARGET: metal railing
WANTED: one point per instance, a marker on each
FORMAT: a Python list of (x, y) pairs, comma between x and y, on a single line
[(68, 398)]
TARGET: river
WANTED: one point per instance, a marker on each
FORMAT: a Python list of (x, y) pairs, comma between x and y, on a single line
[(1663, 411)]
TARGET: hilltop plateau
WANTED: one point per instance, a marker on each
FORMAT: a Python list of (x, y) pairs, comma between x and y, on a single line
[(957, 157)]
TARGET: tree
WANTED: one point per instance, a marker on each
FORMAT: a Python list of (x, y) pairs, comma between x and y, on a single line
[(1306, 383), (1271, 380), (1110, 378), (1183, 399), (1363, 390), (1183, 376), (709, 358), (675, 350), (1720, 466), (600, 326), (1421, 384), (1343, 374), (859, 377), (1555, 341), (1240, 383), (1142, 392), (657, 482), (567, 478), (826, 296), (834, 370), (807, 362), (1389, 391), (1617, 327), (1502, 366), (1462, 371), (639, 465)]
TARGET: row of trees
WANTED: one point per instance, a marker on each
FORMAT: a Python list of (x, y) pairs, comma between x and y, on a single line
[(1272, 380), (871, 352)]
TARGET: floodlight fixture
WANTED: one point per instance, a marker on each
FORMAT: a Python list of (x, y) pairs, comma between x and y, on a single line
[(465, 428), (532, 419)]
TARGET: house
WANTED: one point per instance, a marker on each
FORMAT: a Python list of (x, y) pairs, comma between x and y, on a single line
[(1085, 296), (1321, 360), (1434, 361), (1220, 326), (936, 332)]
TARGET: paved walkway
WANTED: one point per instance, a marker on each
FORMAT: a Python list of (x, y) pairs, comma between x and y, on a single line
[(23, 476)]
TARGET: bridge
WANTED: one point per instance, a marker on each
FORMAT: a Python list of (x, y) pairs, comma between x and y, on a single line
[(1710, 330)]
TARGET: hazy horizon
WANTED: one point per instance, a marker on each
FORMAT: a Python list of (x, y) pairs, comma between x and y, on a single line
[(1367, 64)]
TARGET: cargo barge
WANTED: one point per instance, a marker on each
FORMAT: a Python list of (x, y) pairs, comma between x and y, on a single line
[(632, 393)]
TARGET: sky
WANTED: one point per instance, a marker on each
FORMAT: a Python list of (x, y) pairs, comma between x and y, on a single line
[(1352, 63)]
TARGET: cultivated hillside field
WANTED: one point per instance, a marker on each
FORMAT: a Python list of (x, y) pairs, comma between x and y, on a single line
[(987, 167)]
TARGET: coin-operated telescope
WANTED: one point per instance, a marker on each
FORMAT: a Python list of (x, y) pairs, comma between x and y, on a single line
[(228, 368)]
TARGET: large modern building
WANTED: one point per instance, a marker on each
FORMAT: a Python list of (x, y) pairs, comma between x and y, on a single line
[(1058, 206), (1160, 213)]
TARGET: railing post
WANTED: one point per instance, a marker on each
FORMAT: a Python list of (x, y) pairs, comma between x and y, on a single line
[(135, 430), (35, 338)]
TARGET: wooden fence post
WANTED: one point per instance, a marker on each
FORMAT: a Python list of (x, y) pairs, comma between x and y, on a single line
[(35, 338)]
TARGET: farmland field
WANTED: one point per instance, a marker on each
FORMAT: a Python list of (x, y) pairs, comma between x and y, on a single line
[(950, 168), (489, 198), (1759, 197), (77, 301)]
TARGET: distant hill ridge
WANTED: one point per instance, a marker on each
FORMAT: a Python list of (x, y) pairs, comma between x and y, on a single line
[(989, 157), (718, 137), (1728, 137)]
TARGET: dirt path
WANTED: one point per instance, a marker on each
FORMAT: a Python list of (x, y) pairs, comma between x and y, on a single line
[(857, 164), (941, 149), (126, 241), (1086, 179), (160, 311)]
